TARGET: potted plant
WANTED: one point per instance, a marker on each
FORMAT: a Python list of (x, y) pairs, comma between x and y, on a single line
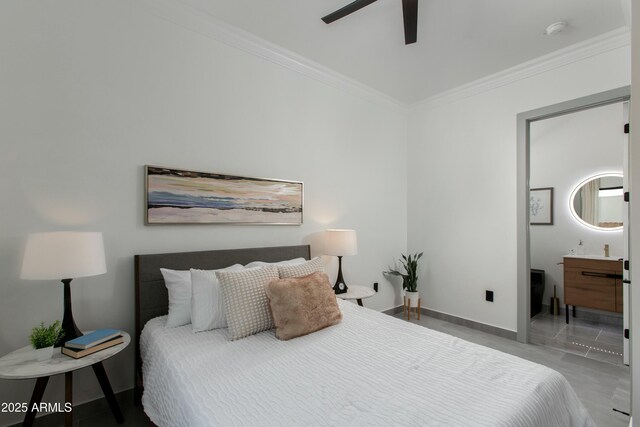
[(43, 338), (409, 277)]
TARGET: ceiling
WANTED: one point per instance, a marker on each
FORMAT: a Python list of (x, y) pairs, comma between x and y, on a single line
[(458, 40)]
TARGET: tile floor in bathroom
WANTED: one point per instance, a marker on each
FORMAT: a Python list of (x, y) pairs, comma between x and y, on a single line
[(598, 339)]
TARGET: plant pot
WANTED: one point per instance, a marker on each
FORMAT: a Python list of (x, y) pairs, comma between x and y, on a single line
[(43, 354), (412, 298)]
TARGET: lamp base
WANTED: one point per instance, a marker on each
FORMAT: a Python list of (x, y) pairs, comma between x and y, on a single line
[(340, 287), (69, 328)]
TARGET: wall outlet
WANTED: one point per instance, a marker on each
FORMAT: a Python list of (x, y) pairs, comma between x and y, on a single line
[(489, 296)]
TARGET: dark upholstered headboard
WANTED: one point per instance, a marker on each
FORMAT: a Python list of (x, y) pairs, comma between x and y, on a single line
[(151, 293)]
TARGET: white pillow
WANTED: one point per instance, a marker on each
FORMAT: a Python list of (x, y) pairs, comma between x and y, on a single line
[(301, 270), (294, 261), (178, 285), (207, 307)]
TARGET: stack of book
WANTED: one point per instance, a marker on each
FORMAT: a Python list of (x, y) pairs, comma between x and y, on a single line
[(92, 342)]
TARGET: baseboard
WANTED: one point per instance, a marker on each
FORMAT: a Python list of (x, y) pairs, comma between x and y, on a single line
[(493, 330)]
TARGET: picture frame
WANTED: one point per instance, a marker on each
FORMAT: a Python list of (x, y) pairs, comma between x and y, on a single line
[(541, 206), (178, 196)]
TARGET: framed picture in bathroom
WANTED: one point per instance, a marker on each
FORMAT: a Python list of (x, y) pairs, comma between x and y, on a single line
[(541, 206)]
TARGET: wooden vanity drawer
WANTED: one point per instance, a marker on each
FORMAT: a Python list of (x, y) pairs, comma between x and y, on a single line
[(613, 265), (593, 283), (584, 288)]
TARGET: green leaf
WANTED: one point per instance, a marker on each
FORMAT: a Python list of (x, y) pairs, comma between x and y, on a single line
[(410, 264), (45, 336)]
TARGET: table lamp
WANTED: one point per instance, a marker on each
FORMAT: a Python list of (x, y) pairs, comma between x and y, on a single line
[(340, 243), (64, 256)]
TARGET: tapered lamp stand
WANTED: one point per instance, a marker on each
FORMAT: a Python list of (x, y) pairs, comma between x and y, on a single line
[(337, 288), (340, 242), (69, 327)]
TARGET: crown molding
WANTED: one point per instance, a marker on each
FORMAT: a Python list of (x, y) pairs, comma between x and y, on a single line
[(200, 22), (577, 52)]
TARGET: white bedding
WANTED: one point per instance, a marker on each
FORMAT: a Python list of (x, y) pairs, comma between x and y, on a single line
[(371, 369)]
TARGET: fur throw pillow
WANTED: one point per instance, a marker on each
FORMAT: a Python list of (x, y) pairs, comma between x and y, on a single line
[(302, 305)]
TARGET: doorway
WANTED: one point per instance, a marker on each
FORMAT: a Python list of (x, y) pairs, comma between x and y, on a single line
[(524, 121), (576, 232)]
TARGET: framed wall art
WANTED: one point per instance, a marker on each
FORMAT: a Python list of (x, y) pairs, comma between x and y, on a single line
[(541, 206), (176, 196)]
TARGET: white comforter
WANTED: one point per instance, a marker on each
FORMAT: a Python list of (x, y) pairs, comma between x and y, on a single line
[(371, 369)]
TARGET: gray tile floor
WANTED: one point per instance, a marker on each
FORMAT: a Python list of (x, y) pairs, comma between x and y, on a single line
[(600, 386), (597, 340)]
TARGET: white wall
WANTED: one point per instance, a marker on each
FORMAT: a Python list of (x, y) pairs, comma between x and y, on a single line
[(462, 184), (92, 91), (564, 151)]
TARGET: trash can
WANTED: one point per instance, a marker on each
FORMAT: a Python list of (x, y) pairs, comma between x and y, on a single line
[(537, 291)]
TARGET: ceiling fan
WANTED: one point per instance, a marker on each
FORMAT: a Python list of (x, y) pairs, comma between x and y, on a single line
[(409, 13)]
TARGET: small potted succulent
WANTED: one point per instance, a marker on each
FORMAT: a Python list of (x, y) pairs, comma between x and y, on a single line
[(409, 277), (43, 338)]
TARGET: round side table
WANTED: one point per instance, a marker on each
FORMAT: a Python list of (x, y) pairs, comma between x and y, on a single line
[(357, 293), (22, 364)]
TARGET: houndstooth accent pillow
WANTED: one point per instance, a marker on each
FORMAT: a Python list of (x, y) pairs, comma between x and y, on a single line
[(245, 300), (301, 270)]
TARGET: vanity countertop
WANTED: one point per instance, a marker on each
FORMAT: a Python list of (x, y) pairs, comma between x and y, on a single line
[(600, 257)]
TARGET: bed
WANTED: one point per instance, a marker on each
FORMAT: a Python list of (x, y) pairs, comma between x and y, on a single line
[(371, 369)]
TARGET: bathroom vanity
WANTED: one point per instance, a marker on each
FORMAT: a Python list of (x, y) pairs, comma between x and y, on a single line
[(592, 282)]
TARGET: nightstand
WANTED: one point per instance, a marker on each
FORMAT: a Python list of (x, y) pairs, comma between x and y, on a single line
[(357, 293), (22, 364)]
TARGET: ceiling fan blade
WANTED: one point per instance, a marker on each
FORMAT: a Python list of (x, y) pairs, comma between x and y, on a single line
[(346, 10), (410, 14)]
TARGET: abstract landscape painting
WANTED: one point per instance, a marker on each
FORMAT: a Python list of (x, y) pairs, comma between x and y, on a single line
[(177, 196)]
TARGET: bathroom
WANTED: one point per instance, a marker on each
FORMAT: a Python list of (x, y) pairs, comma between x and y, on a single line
[(577, 236)]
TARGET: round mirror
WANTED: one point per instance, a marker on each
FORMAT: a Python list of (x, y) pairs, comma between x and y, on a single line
[(598, 202)]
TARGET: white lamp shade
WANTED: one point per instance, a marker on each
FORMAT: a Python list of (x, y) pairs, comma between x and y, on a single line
[(341, 242), (63, 255)]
